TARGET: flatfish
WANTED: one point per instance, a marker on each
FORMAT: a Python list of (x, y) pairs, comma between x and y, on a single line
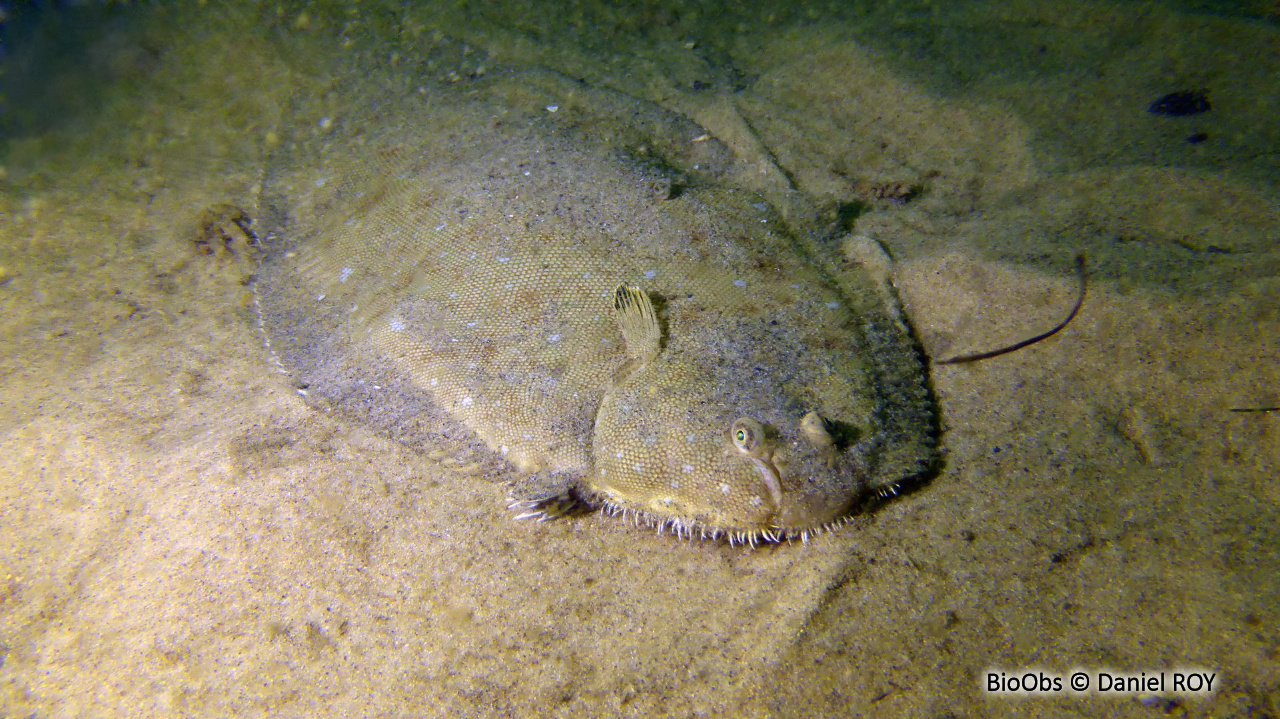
[(592, 318)]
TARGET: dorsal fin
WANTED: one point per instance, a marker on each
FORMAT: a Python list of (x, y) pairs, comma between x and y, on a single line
[(638, 322)]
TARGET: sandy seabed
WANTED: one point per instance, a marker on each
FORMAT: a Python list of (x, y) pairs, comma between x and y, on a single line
[(181, 535)]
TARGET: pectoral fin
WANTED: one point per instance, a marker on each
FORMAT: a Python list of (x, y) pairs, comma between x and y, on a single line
[(639, 324)]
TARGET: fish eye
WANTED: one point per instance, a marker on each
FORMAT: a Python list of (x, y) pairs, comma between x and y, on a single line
[(747, 435)]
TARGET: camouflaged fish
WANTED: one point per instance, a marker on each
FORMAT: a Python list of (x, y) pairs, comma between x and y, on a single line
[(522, 302)]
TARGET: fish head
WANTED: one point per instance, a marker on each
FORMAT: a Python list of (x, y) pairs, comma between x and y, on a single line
[(744, 437)]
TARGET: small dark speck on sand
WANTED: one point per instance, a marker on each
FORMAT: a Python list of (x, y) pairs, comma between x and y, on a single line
[(1181, 104), (1198, 138)]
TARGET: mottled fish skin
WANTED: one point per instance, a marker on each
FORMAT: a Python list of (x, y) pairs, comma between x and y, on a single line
[(468, 293)]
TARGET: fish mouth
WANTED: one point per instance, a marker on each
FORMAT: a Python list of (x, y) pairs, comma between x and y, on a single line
[(772, 481)]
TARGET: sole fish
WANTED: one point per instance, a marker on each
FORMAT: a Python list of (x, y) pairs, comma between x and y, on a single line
[(523, 299)]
